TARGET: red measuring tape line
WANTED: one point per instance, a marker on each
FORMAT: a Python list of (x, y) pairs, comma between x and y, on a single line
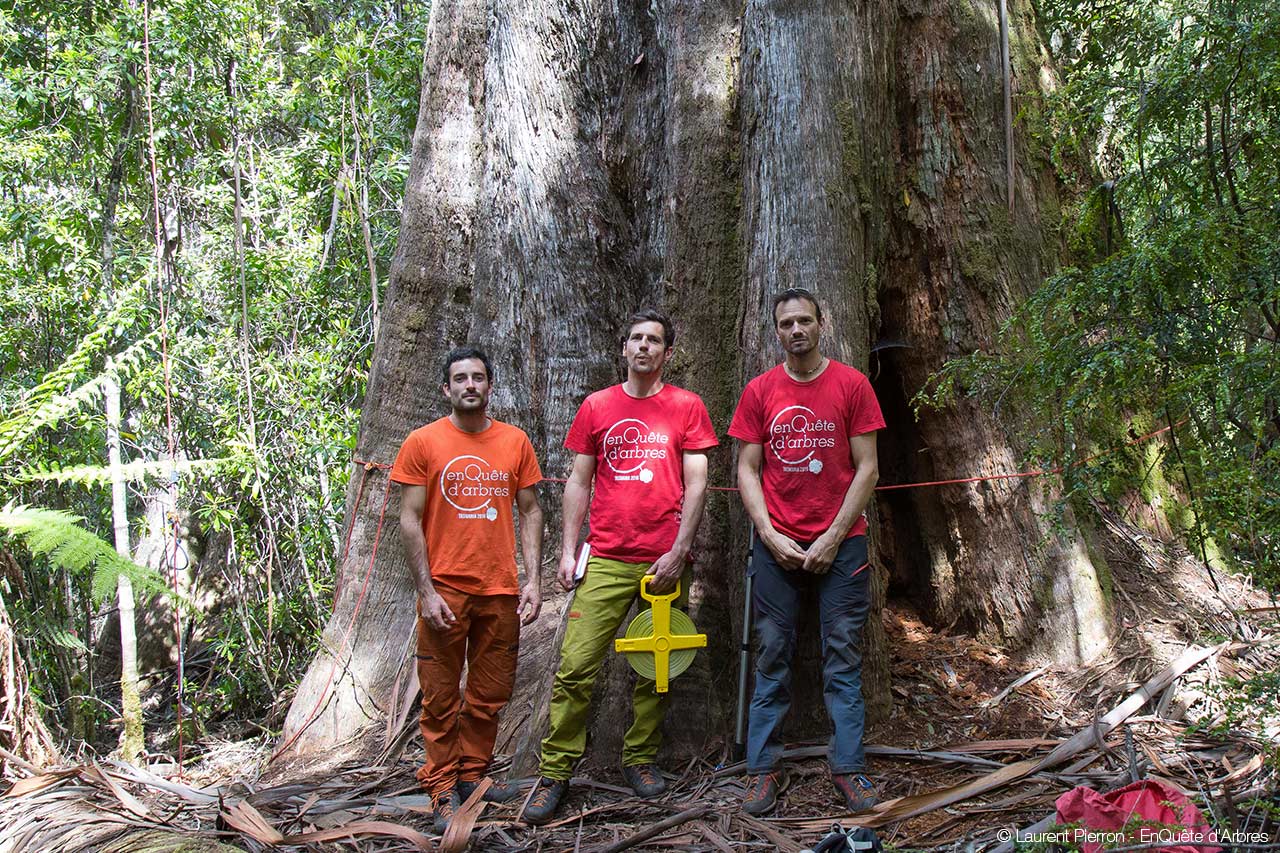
[(369, 466), (364, 588)]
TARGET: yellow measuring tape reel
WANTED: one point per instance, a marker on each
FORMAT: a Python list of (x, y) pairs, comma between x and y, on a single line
[(661, 641)]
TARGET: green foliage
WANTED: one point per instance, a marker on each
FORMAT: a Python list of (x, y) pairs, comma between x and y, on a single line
[(51, 402), (58, 536), (1250, 703), (1171, 314), (138, 471), (314, 106)]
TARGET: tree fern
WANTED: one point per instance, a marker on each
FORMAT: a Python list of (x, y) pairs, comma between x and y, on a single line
[(100, 475), (58, 537), (77, 363), (47, 404)]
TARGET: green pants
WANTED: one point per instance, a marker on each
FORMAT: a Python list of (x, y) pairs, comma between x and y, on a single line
[(599, 606)]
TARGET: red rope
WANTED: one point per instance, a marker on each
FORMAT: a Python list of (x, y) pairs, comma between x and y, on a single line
[(368, 466), (364, 588), (346, 546), (926, 483), (166, 368)]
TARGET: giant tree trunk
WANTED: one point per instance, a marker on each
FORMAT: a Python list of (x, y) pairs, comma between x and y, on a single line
[(574, 161)]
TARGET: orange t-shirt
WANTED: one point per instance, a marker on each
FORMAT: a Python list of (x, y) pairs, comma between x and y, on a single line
[(471, 480)]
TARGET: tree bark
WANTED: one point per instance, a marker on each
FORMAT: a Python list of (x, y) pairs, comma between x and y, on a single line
[(22, 731), (981, 556), (574, 161)]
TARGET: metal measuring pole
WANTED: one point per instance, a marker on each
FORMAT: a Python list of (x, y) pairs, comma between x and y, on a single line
[(744, 656)]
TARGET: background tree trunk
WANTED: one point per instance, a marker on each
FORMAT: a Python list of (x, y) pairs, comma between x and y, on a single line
[(132, 735), (23, 734), (575, 161)]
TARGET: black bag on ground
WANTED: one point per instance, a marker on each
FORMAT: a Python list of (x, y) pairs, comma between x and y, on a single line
[(841, 840)]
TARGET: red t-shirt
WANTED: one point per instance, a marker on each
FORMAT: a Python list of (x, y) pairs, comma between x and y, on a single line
[(471, 479), (639, 446), (805, 429)]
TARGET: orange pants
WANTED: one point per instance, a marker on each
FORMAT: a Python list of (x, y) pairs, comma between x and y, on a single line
[(459, 726)]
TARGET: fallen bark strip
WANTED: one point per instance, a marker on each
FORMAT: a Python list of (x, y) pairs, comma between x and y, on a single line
[(362, 827), (713, 838), (954, 756), (129, 801), (625, 805), (1026, 679), (19, 760), (144, 777), (655, 830), (458, 835), (248, 820), (740, 767), (162, 841), (32, 784), (1069, 777), (780, 841), (1188, 659), (907, 807), (1006, 745)]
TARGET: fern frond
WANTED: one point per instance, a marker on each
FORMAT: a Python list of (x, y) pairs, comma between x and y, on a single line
[(45, 407), (100, 475), (74, 365), (61, 637), (15, 431), (58, 537)]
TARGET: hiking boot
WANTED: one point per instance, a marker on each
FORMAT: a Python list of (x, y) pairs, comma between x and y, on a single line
[(499, 792), (444, 805), (645, 780), (545, 800), (856, 790), (762, 792)]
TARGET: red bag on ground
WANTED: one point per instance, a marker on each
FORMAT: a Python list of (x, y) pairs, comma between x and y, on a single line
[(1168, 819)]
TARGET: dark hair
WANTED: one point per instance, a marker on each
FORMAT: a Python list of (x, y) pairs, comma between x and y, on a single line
[(796, 293), (650, 315), (463, 353)]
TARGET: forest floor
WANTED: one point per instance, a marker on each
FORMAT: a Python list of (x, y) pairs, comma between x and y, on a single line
[(979, 744)]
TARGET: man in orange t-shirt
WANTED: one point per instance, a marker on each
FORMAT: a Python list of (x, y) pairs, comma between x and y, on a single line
[(460, 476)]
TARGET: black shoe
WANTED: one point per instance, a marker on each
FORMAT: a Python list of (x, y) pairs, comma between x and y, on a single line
[(499, 792), (545, 800), (645, 780), (444, 806)]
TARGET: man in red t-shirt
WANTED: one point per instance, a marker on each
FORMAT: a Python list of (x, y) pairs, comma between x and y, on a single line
[(643, 444), (460, 476), (807, 467)]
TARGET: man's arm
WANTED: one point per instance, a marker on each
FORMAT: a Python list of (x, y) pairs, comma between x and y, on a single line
[(667, 568), (784, 549), (531, 547), (862, 449), (413, 502), (577, 497)]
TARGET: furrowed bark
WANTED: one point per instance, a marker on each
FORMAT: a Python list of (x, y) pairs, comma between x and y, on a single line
[(575, 161)]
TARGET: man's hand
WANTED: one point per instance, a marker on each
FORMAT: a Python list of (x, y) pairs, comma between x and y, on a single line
[(530, 602), (785, 550), (434, 609), (666, 571), (821, 554), (568, 566)]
